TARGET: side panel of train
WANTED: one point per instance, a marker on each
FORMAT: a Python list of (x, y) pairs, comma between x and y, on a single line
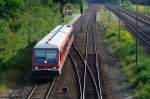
[(49, 62)]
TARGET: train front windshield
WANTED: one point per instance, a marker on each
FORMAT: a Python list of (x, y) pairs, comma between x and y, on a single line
[(49, 56)]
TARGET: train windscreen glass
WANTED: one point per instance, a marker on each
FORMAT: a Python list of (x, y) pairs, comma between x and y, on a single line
[(46, 56)]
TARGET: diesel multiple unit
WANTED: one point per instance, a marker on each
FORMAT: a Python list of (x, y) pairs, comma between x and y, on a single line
[(49, 54)]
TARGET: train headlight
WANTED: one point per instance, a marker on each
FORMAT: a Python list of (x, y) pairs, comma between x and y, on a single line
[(36, 67), (54, 67), (45, 61)]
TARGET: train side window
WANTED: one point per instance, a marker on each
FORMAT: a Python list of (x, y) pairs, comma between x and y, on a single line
[(60, 55)]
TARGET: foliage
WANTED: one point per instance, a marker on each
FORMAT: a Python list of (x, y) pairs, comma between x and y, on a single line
[(143, 91), (22, 24), (124, 49)]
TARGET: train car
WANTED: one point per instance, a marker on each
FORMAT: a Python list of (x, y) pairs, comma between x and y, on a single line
[(49, 54)]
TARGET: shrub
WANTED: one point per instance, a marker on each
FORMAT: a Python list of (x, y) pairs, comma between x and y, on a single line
[(143, 91)]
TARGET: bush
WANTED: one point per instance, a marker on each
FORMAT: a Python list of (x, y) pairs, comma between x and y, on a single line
[(143, 64), (143, 91), (13, 4), (123, 49)]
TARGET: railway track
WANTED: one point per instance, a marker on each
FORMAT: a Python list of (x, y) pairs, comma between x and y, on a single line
[(90, 57), (142, 19), (87, 67), (41, 90), (80, 65), (140, 28)]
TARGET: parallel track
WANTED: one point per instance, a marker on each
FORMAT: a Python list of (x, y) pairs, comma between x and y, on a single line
[(138, 30)]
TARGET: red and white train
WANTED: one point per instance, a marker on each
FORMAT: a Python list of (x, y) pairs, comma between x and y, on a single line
[(49, 54)]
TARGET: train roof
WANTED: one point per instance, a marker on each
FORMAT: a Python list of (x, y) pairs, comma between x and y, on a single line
[(55, 38)]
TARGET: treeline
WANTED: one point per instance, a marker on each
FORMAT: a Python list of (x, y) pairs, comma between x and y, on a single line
[(8, 7)]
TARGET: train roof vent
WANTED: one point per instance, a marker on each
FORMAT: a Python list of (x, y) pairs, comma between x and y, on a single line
[(68, 26), (46, 42)]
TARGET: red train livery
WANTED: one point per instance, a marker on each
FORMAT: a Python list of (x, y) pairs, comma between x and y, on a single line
[(49, 54)]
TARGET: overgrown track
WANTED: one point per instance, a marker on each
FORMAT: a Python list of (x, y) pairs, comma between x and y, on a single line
[(86, 67), (41, 90), (141, 27)]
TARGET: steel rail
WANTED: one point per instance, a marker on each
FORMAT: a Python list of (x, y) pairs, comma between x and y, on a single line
[(50, 89), (97, 69), (129, 13), (87, 21), (148, 37), (97, 66), (139, 32), (85, 59), (77, 73), (132, 15), (32, 91), (88, 68), (51, 84)]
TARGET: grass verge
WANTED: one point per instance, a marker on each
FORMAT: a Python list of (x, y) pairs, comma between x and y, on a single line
[(124, 49)]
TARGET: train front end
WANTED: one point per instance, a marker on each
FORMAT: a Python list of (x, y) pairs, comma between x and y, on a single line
[(45, 62)]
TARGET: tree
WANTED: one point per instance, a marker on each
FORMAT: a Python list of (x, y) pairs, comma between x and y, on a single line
[(7, 6)]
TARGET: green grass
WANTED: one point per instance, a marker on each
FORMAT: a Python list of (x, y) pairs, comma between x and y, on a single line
[(124, 49)]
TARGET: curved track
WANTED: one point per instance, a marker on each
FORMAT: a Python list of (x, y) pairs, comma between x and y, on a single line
[(86, 67), (80, 65)]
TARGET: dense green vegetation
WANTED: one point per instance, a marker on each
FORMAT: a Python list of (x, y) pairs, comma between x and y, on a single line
[(124, 49), (22, 24), (142, 9)]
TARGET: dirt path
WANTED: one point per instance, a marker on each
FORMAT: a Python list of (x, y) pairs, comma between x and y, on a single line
[(114, 81)]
